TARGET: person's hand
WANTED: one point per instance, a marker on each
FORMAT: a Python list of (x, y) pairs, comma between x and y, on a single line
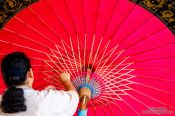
[(85, 92), (85, 95), (50, 88), (64, 77)]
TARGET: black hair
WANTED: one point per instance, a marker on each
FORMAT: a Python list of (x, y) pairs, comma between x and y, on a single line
[(14, 68)]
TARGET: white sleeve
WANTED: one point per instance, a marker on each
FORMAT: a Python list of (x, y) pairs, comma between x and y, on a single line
[(58, 102)]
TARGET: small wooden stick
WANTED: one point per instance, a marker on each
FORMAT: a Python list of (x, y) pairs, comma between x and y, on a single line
[(83, 103)]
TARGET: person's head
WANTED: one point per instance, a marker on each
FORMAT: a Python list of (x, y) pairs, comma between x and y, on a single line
[(16, 70)]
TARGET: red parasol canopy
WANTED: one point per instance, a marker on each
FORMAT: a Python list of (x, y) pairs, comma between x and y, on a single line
[(131, 49)]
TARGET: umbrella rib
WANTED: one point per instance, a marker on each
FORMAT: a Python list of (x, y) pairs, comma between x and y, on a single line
[(107, 54), (158, 79), (59, 20), (52, 68), (110, 107), (68, 58), (108, 58), (54, 63), (93, 107), (77, 32), (123, 21), (118, 65), (85, 42), (128, 14), (79, 54), (50, 28), (27, 38), (104, 30), (113, 10), (92, 47), (123, 64), (52, 77), (24, 47), (45, 24), (146, 37), (102, 56), (160, 69), (82, 3), (148, 86), (119, 109), (39, 59), (73, 54), (95, 56), (142, 103), (111, 103), (102, 106), (57, 17), (118, 77), (107, 70), (147, 50), (33, 30), (85, 51), (131, 107), (10, 31), (97, 15), (111, 90), (147, 20), (30, 27), (110, 63), (119, 81), (141, 93), (47, 76), (117, 72), (114, 86), (106, 95), (144, 61), (71, 17), (114, 101), (59, 60), (95, 30), (63, 59), (103, 53), (105, 92), (163, 58), (111, 51), (143, 39)]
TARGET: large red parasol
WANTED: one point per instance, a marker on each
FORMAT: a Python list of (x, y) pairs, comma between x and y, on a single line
[(130, 49)]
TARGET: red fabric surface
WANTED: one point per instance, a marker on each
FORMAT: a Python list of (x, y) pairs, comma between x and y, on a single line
[(132, 49)]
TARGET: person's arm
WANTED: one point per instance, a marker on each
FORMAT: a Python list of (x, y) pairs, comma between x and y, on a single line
[(58, 101), (65, 79)]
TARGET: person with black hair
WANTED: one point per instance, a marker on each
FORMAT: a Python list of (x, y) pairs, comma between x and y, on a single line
[(20, 99)]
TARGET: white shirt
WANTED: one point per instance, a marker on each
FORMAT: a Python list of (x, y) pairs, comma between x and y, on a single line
[(48, 103)]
